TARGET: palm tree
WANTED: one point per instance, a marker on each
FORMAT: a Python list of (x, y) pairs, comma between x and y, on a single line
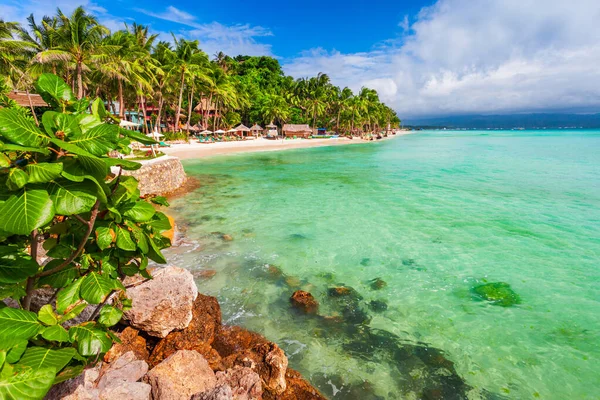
[(274, 108), (80, 35)]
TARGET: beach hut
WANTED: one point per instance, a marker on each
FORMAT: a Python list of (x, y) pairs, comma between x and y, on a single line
[(272, 130), (297, 130), (242, 130), (22, 99), (256, 130)]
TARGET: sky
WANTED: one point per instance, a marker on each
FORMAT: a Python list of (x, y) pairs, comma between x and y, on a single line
[(425, 58)]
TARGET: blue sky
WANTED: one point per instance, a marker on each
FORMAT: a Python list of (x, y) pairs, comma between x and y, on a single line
[(425, 58)]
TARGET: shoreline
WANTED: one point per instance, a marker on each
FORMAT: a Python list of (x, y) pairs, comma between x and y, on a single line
[(200, 150)]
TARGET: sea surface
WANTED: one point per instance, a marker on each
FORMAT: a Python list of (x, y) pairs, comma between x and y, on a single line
[(432, 215)]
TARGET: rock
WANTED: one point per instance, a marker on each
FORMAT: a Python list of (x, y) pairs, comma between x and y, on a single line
[(227, 238), (378, 305), (378, 284), (204, 273), (497, 293), (125, 369), (198, 336), (233, 339), (218, 393), (267, 360), (82, 387), (180, 376), (344, 291), (298, 388), (244, 383), (304, 301), (130, 341), (292, 282), (164, 303), (128, 391)]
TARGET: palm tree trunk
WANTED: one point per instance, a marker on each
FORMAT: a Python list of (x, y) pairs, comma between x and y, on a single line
[(190, 109), (121, 105), (337, 121), (179, 105), (142, 103), (160, 107), (79, 81)]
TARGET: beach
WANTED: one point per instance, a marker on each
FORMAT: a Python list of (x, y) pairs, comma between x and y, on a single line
[(198, 150)]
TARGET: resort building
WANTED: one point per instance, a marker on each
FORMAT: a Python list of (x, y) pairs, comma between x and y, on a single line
[(22, 99), (297, 130)]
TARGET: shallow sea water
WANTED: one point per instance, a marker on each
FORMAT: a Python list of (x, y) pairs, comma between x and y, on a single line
[(433, 215)]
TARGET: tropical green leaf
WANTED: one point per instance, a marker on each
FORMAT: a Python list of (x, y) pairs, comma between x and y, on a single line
[(141, 211), (90, 340), (14, 348), (55, 333), (140, 238), (20, 130), (87, 122), (154, 252), (118, 162), (47, 315), (138, 137), (71, 148), (61, 278), (25, 211), (68, 373), (16, 147), (41, 357), (95, 288), (98, 140), (74, 311), (124, 241), (27, 384), (52, 85), (68, 296), (109, 316), (160, 222), (98, 109), (43, 172), (16, 266), (94, 166), (55, 122), (17, 178), (104, 237), (18, 324), (72, 197), (160, 200)]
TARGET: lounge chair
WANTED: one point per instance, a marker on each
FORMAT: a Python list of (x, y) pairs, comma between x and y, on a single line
[(163, 144)]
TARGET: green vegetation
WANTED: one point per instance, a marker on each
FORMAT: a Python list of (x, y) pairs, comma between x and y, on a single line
[(60, 203), (131, 68), (497, 293)]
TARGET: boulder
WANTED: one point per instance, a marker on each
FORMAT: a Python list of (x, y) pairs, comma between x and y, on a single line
[(244, 383), (267, 360), (344, 291), (180, 376), (297, 388), (82, 387), (162, 304), (128, 391), (233, 339), (377, 284), (218, 393), (130, 341), (378, 305), (126, 369), (304, 301), (497, 293), (198, 336)]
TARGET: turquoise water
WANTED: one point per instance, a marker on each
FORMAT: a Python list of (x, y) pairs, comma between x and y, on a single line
[(433, 215)]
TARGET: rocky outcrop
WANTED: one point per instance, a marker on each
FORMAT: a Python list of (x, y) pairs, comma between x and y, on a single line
[(305, 302), (131, 340), (158, 176), (162, 304), (181, 376), (245, 384)]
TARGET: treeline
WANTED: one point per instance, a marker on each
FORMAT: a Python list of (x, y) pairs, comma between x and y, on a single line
[(132, 68)]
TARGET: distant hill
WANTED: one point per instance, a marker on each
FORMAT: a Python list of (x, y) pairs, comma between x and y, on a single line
[(527, 121)]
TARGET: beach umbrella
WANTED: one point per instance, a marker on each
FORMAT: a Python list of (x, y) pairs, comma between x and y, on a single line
[(128, 124), (232, 130), (206, 132), (220, 131), (155, 135)]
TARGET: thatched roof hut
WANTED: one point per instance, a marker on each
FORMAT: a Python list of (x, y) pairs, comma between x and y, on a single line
[(297, 130), (272, 126), (256, 128), (242, 128), (21, 99)]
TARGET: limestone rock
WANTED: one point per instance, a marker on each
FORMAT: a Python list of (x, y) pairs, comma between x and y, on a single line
[(298, 388), (82, 387), (198, 336), (218, 393), (267, 360), (126, 369), (130, 341), (244, 383), (180, 376), (233, 339), (164, 303), (304, 301), (127, 391)]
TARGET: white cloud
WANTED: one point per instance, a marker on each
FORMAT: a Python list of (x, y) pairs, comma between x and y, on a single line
[(461, 56)]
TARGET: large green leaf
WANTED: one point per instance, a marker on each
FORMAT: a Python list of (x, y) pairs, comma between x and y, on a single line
[(47, 315), (51, 85), (99, 140), (125, 164), (61, 278), (71, 148), (15, 347), (16, 266), (27, 384), (94, 166), (104, 237), (140, 211), (55, 122), (17, 178), (90, 340), (43, 172), (109, 316), (88, 121), (72, 197), (68, 296), (16, 147), (20, 130), (124, 241), (18, 324), (41, 357), (55, 333), (154, 252), (25, 211), (138, 137), (95, 288), (98, 109)]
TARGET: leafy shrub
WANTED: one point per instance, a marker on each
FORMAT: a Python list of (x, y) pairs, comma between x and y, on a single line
[(176, 135), (57, 194)]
